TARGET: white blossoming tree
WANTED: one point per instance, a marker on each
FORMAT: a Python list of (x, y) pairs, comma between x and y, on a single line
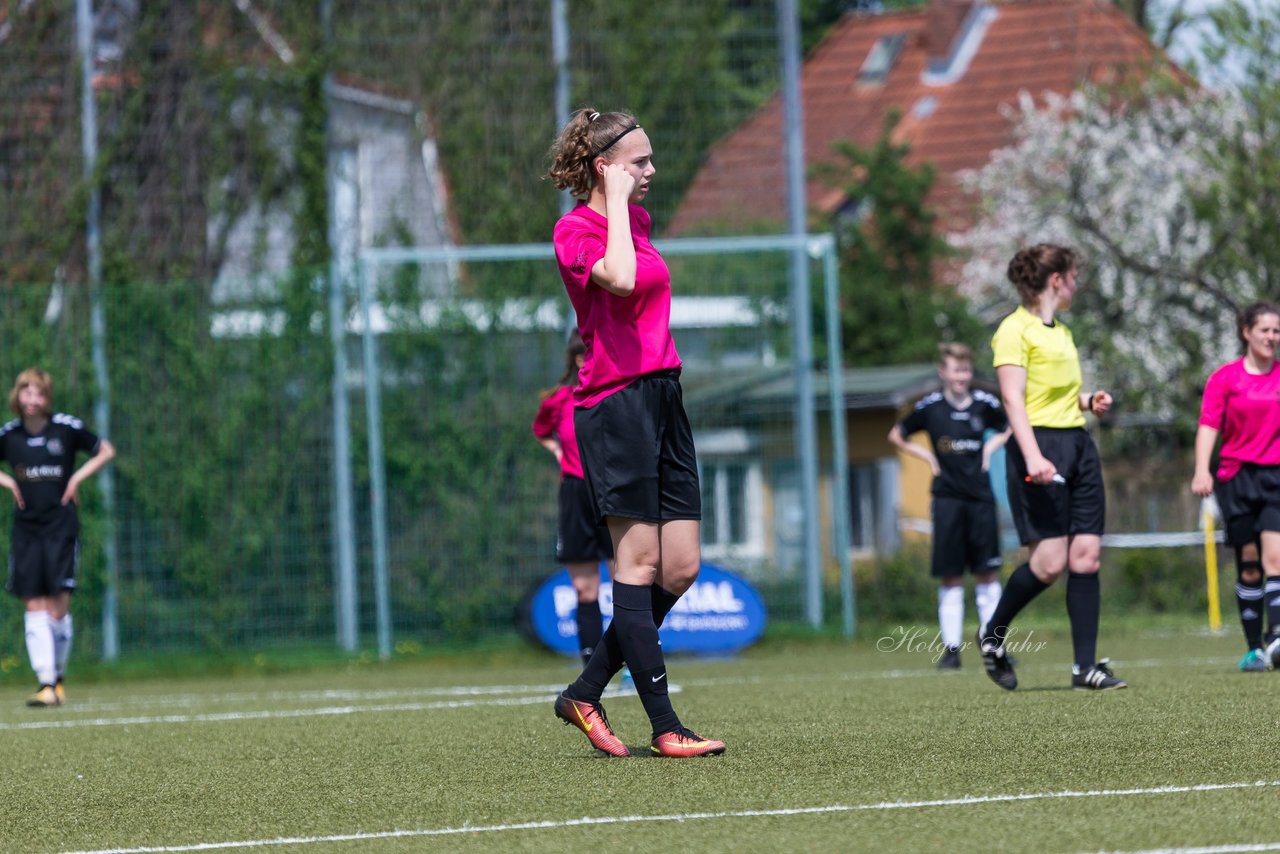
[(1173, 198), (1138, 190)]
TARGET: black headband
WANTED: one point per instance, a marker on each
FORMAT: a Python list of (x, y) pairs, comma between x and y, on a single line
[(611, 143)]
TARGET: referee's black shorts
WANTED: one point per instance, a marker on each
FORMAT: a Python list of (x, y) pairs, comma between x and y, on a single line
[(1076, 505), (580, 537), (965, 536), (43, 557), (1250, 503), (637, 452)]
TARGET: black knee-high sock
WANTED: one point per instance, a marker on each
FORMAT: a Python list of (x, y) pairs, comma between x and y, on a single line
[(1083, 603), (590, 627), (1272, 596), (1021, 588), (638, 637), (1249, 602), (607, 659), (663, 602)]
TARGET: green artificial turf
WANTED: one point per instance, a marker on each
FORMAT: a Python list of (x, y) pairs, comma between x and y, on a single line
[(860, 738)]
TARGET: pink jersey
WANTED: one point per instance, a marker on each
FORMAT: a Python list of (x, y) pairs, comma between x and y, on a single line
[(555, 421), (1245, 409), (626, 337)]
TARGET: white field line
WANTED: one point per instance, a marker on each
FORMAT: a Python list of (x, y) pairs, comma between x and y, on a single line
[(1210, 849), (543, 695), (694, 816), (324, 695)]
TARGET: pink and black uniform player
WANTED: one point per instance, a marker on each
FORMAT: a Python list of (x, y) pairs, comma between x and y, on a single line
[(636, 443), (582, 541), (1242, 406)]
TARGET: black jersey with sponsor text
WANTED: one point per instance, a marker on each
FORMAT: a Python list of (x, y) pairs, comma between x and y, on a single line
[(957, 441), (43, 464)]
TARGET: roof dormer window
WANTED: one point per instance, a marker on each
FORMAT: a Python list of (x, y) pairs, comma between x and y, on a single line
[(881, 58)]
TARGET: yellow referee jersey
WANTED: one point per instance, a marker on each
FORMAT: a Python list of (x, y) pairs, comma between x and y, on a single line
[(1053, 367)]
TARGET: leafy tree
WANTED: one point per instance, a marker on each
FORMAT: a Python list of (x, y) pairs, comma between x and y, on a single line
[(1171, 197), (1242, 206), (483, 69), (893, 308)]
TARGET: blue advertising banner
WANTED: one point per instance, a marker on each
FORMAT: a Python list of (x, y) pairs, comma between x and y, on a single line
[(720, 613)]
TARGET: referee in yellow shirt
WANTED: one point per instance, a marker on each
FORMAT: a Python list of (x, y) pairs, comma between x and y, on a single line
[(1055, 477)]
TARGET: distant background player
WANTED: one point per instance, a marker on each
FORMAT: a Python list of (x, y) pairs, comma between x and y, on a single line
[(40, 448), (581, 540), (1240, 406), (965, 532)]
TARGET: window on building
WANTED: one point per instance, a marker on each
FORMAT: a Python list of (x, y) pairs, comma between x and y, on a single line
[(864, 487), (874, 506), (731, 507), (881, 58)]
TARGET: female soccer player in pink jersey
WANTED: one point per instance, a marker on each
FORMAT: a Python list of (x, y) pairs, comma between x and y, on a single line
[(581, 540), (633, 435), (1242, 405)]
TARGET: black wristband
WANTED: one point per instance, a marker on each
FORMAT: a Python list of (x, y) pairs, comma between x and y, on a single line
[(1089, 403)]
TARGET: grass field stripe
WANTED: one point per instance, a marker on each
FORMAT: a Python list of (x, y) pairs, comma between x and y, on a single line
[(696, 816)]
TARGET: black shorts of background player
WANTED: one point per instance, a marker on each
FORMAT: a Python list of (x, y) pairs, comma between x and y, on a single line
[(965, 427), (40, 447)]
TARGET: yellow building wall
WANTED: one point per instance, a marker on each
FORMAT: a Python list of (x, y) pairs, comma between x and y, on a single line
[(914, 482)]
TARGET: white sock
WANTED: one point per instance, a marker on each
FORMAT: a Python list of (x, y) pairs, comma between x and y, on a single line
[(987, 597), (951, 614), (62, 632), (40, 646)]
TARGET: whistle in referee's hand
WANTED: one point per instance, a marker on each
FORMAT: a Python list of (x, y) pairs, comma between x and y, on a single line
[(1057, 478)]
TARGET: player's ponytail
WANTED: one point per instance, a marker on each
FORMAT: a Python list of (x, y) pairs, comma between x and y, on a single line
[(1030, 269), (588, 134)]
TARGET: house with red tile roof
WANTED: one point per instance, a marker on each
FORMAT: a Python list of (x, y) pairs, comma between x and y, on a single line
[(948, 68)]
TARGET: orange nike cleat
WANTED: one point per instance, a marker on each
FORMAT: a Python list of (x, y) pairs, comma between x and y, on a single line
[(590, 718), (681, 742), (46, 697)]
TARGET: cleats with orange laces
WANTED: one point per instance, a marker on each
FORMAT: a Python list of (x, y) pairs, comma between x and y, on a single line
[(589, 717), (681, 742)]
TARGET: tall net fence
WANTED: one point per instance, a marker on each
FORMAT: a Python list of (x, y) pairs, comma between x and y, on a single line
[(246, 152), (223, 475), (242, 153), (222, 416)]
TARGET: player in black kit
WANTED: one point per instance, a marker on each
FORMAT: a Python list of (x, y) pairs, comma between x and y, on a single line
[(965, 533), (40, 447)]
